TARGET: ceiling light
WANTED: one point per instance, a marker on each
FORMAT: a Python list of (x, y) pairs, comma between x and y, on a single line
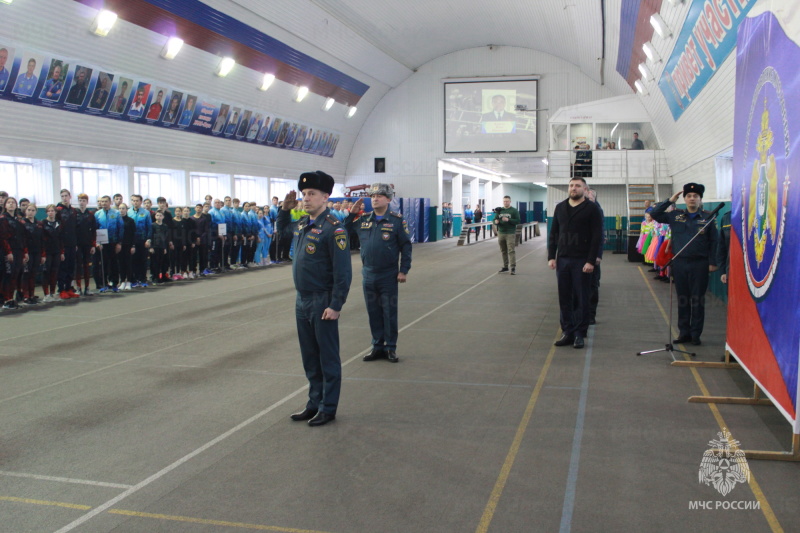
[(328, 104), (104, 22), (650, 52), (640, 87), (660, 26), (646, 73), (171, 48), (225, 66), (6, 1), (546, 162), (351, 111), (301, 93), (266, 82), (675, 2)]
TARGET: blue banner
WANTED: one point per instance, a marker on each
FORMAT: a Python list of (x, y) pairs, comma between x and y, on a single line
[(707, 38), (763, 285)]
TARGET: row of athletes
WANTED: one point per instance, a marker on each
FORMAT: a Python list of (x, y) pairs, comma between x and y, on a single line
[(63, 247)]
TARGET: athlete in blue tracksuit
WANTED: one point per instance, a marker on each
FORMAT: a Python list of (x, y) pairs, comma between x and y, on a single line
[(141, 241), (385, 241), (264, 225), (227, 244), (109, 219)]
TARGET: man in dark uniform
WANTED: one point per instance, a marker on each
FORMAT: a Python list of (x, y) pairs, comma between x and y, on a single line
[(322, 273), (690, 269), (67, 217), (384, 240)]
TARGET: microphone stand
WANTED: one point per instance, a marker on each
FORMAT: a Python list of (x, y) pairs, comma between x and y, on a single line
[(669, 347)]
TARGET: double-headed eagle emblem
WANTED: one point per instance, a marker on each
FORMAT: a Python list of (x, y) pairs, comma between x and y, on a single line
[(762, 216), (724, 464)]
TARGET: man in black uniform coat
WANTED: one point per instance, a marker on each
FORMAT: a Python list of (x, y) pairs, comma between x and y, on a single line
[(573, 248), (322, 273), (690, 269), (384, 241)]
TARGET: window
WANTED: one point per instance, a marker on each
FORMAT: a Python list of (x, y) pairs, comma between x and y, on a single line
[(16, 178), (252, 189), (95, 180), (280, 188), (203, 184), (152, 183)]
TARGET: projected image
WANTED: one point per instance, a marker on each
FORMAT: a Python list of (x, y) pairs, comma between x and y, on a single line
[(491, 116)]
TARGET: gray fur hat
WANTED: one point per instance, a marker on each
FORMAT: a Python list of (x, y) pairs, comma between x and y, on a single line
[(383, 189)]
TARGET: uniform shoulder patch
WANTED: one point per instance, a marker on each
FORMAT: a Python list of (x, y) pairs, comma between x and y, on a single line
[(396, 214), (333, 220)]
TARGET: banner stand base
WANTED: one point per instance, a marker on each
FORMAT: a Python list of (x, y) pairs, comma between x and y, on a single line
[(726, 363), (756, 399)]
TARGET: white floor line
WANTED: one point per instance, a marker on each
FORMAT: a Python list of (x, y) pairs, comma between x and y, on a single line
[(65, 480), (166, 470)]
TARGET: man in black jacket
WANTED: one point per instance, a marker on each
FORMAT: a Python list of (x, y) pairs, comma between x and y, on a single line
[(573, 248)]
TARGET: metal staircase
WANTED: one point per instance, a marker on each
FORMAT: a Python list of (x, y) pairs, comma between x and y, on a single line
[(637, 194)]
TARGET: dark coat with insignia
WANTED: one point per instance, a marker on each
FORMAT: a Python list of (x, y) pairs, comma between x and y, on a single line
[(383, 243)]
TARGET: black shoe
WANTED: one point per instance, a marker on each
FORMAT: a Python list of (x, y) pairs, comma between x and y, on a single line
[(391, 355), (696, 341), (578, 344), (321, 419), (502, 270), (665, 280), (565, 340), (652, 270), (305, 414), (376, 353), (513, 271), (682, 339)]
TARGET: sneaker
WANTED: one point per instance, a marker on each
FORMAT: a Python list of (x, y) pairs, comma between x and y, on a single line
[(10, 304), (103, 290), (143, 285), (48, 298), (192, 275), (513, 271), (87, 292), (115, 289), (73, 293), (127, 286), (503, 270), (63, 295)]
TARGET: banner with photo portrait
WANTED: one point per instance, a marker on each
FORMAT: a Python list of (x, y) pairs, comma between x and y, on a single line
[(763, 282), (32, 77)]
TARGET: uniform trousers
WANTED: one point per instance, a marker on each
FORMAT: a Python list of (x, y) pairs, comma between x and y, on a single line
[(109, 271), (573, 295), (319, 347), (12, 270), (139, 262), (691, 284), (66, 270), (83, 264), (381, 294), (51, 271)]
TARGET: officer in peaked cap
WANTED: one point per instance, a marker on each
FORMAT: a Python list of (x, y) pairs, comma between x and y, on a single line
[(322, 273), (386, 260), (690, 269)]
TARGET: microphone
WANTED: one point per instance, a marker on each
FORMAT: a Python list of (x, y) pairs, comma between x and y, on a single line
[(716, 209)]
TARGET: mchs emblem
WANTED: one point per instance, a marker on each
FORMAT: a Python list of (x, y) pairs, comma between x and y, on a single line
[(764, 198), (724, 464)]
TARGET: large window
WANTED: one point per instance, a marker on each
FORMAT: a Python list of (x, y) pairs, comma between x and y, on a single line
[(93, 180), (16, 178), (213, 184), (152, 183), (280, 188)]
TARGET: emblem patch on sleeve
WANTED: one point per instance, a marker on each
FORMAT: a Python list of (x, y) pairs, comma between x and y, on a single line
[(341, 240)]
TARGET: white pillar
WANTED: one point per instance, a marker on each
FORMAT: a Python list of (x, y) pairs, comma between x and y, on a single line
[(458, 185), (474, 192)]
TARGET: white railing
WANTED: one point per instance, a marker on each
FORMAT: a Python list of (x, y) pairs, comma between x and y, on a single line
[(609, 167)]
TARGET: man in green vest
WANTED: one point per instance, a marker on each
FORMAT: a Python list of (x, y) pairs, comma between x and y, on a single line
[(506, 219)]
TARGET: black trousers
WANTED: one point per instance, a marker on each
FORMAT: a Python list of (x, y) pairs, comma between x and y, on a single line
[(66, 269), (573, 295), (319, 347), (691, 284), (139, 263), (108, 273), (594, 292)]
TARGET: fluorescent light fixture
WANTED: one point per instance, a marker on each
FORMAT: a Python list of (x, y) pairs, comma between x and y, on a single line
[(328, 103), (6, 1), (266, 82), (104, 22), (171, 48), (611, 135), (650, 52), (675, 2), (351, 111), (640, 87), (647, 74), (660, 26), (225, 66), (301, 93)]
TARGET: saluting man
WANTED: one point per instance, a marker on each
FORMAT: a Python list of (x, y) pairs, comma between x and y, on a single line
[(322, 273), (690, 269), (384, 241)]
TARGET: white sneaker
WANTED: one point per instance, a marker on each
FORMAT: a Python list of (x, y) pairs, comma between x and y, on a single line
[(191, 275), (47, 299)]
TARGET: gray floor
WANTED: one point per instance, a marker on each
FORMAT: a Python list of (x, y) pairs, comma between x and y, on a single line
[(168, 411)]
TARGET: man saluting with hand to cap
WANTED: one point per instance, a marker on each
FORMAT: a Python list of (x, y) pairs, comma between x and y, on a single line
[(322, 273), (690, 269)]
